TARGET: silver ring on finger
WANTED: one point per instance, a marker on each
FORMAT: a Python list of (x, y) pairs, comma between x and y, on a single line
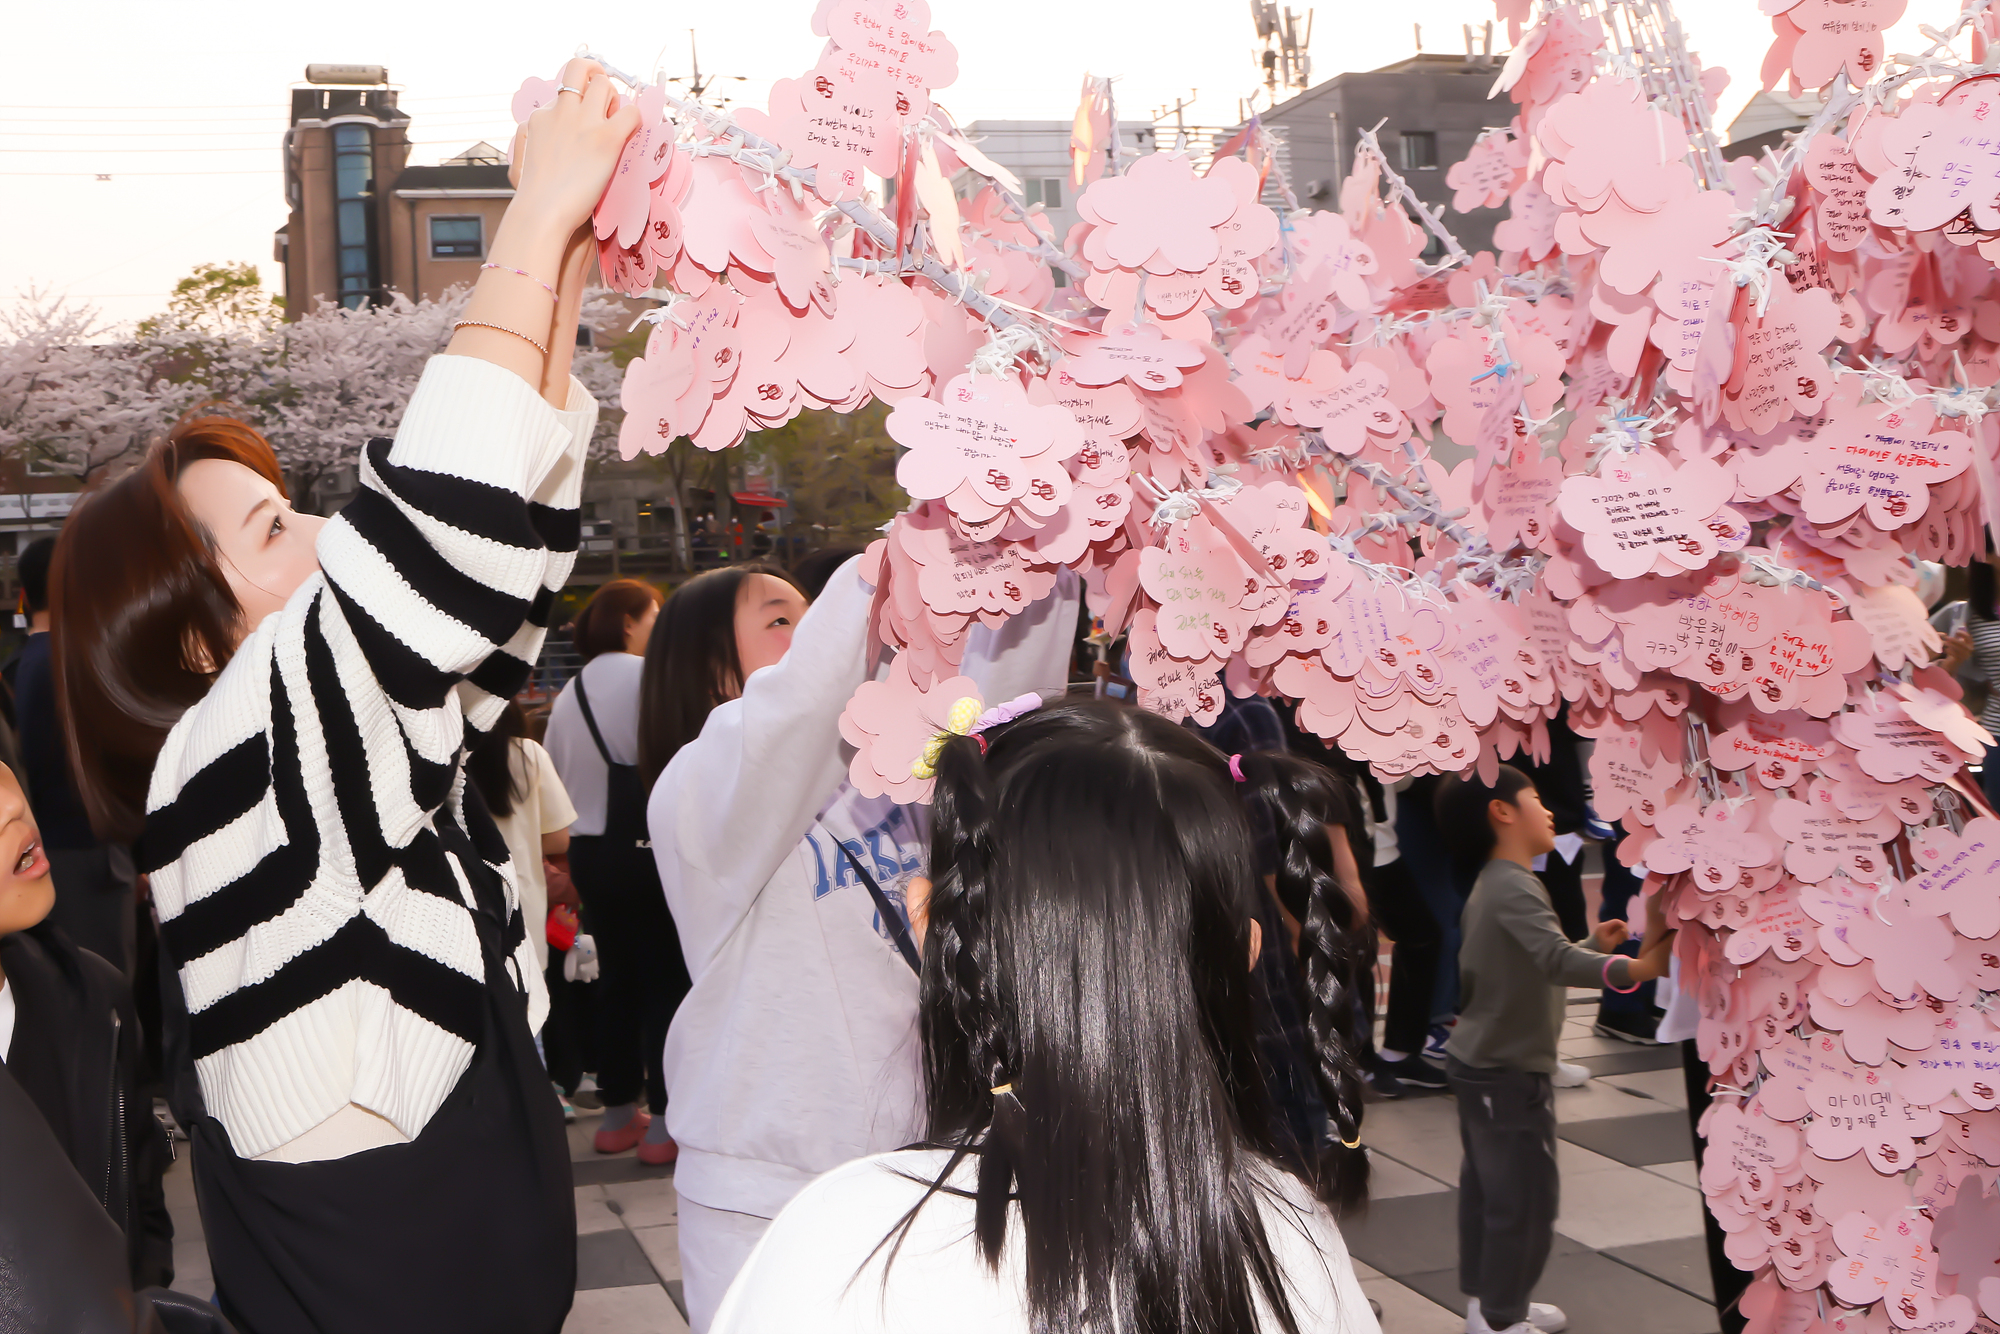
[(565, 88)]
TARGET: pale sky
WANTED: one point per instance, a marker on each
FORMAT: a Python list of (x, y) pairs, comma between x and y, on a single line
[(183, 105)]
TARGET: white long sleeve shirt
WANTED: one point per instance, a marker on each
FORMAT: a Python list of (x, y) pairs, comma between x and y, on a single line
[(818, 1270), (796, 1050), (613, 682)]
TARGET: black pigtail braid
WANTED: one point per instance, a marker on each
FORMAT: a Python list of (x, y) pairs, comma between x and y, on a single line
[(1304, 798), (960, 961)]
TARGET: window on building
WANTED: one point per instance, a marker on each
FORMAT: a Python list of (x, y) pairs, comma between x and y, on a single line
[(1420, 150), (353, 172), (1044, 190), (458, 238)]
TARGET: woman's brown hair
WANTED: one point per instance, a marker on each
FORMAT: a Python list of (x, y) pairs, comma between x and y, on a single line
[(600, 626), (142, 617)]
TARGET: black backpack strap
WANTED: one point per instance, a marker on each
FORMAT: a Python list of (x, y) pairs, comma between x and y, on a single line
[(898, 930), (590, 721)]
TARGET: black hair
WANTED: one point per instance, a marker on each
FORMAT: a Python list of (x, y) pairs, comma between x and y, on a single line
[(1088, 954), (811, 571), (691, 662), (1463, 822), (1980, 587), (32, 567), (488, 760)]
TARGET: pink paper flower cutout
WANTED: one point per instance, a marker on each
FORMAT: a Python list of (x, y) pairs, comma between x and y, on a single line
[(986, 448), (891, 724), (1140, 355), (1159, 216)]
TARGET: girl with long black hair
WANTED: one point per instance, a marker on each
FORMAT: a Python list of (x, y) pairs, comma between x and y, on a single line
[(796, 1048), (1098, 1150)]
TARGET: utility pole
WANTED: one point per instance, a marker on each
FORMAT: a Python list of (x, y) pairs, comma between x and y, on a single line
[(698, 83)]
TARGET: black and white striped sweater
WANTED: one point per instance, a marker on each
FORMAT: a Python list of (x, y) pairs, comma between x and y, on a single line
[(307, 833)]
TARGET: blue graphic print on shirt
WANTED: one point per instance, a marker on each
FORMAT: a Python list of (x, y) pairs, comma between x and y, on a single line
[(880, 849)]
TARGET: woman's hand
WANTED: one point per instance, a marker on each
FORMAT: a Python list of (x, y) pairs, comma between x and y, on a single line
[(562, 163), (571, 148), (1610, 935), (1957, 648)]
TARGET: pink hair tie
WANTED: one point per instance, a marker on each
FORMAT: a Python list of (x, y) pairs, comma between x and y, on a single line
[(1613, 986), (1236, 767)]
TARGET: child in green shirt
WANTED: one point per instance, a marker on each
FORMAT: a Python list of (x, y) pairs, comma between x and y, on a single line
[(1514, 964)]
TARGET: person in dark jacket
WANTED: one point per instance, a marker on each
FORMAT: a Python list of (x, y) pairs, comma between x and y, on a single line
[(70, 1039), (95, 881)]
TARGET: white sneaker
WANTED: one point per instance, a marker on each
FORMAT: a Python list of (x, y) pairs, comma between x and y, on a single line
[(1543, 1318), (1571, 1076)]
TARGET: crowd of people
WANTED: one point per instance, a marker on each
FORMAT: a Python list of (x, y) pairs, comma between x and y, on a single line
[(1085, 1043)]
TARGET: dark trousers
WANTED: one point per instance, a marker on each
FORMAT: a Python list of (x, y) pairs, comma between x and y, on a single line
[(1437, 884), (1565, 885), (1397, 905), (95, 897), (1621, 887), (644, 973), (1728, 1280), (1508, 1189), (569, 1036)]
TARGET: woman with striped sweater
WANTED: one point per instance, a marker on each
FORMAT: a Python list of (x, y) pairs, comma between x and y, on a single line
[(283, 704)]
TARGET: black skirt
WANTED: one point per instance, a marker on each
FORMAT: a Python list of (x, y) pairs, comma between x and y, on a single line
[(469, 1227)]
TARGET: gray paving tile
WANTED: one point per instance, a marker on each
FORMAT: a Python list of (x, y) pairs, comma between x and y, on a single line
[(611, 1260), (604, 1171), (1412, 1232), (1628, 1058), (1597, 1294), (1601, 1294), (674, 1293), (1405, 1311), (642, 1308), (1682, 1262), (1636, 1141)]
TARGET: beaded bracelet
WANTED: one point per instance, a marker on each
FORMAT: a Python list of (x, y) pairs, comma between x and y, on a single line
[(1613, 986), (525, 274), (482, 324)]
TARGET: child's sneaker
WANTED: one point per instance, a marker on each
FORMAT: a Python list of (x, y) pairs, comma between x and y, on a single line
[(1413, 1071), (1571, 1076), (1542, 1319)]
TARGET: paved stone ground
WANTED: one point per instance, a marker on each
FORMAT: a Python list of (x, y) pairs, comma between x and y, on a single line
[(1629, 1254)]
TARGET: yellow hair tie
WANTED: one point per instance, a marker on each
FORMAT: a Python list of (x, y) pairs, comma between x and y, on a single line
[(964, 713)]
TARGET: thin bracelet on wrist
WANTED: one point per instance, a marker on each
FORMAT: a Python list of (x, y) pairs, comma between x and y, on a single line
[(482, 324), (508, 268)]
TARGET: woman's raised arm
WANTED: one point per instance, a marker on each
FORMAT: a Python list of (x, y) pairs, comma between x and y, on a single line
[(561, 165)]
